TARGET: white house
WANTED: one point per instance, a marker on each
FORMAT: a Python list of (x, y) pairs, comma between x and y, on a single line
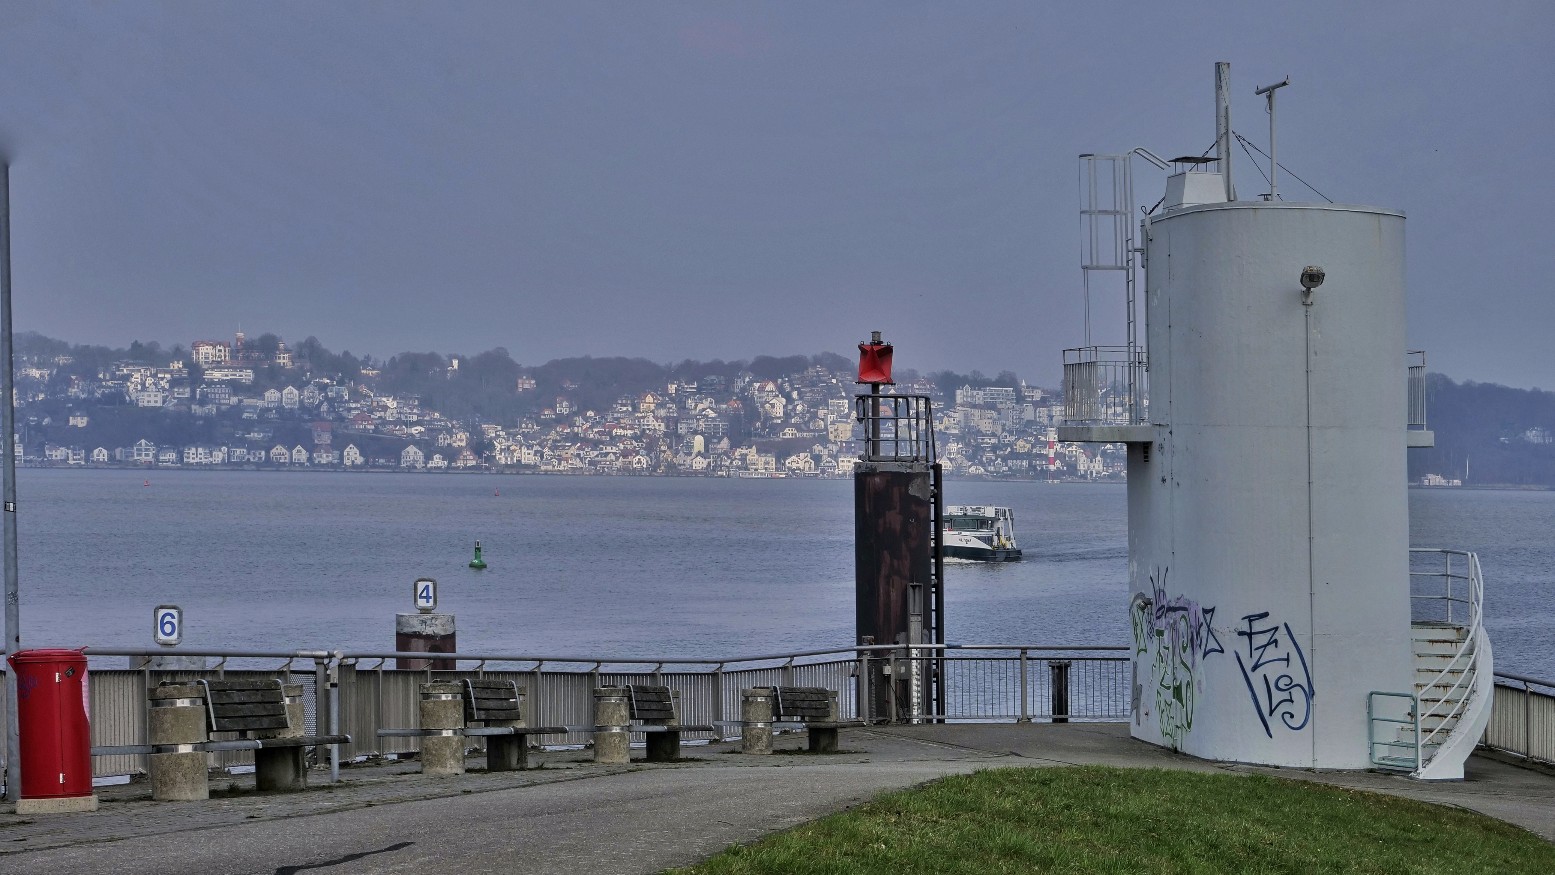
[(279, 455), (145, 451), (351, 457), (299, 455), (412, 457)]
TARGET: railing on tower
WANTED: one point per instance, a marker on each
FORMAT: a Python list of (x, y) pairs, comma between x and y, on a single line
[(1105, 385), (897, 428), (1416, 389)]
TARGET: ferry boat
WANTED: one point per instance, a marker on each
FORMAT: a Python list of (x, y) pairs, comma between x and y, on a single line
[(981, 533)]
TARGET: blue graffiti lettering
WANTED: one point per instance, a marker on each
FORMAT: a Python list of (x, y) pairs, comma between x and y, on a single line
[(1273, 682)]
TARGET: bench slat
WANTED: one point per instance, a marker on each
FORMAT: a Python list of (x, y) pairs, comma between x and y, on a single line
[(494, 716), (256, 684), (259, 709), (242, 697), (505, 687), (249, 724)]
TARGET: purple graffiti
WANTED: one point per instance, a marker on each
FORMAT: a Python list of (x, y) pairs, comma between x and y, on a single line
[(1175, 634), (1272, 680)]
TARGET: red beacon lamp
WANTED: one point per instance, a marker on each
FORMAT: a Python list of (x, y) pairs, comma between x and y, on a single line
[(874, 362)]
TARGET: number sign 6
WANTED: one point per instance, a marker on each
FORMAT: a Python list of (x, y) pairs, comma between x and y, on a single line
[(168, 625)]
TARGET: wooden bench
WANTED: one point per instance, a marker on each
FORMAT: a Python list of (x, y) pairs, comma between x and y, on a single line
[(268, 714), (654, 711), (498, 706), (814, 708), (184, 714)]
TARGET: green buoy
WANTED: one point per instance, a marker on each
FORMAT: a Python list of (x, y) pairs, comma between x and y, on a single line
[(477, 562)]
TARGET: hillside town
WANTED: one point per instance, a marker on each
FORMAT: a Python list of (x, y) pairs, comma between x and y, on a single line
[(246, 405)]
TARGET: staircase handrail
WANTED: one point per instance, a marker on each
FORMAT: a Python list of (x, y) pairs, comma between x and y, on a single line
[(1446, 703)]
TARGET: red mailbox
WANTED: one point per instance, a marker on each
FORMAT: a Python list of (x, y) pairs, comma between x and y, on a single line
[(53, 713)]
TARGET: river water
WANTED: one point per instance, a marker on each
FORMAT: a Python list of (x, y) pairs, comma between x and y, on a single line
[(614, 566)]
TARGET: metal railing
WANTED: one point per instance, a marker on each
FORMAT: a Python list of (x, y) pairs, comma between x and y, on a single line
[(1449, 593), (1452, 596), (1522, 718), (1416, 389), (1105, 385), (1402, 750), (983, 683), (360, 693), (897, 428)]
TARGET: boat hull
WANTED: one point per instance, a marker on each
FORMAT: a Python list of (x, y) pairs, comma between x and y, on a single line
[(983, 554)]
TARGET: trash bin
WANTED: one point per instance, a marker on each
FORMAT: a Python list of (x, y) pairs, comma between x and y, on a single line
[(55, 728)]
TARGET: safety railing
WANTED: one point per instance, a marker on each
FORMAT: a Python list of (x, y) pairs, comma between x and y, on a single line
[(897, 428), (1386, 714), (1105, 385), (360, 693), (993, 683), (1449, 594), (1416, 359), (1522, 718)]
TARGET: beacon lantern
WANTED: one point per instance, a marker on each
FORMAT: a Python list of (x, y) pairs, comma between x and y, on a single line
[(874, 361)]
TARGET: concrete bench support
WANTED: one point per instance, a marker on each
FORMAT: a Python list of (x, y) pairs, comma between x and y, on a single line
[(612, 725), (442, 711), (176, 722), (756, 720)]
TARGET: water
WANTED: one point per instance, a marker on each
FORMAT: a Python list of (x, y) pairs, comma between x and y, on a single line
[(617, 566)]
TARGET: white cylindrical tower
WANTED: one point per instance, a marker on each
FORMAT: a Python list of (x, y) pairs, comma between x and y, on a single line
[(1269, 520)]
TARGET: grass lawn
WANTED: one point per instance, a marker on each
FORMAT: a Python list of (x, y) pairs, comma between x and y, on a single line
[(1097, 819)]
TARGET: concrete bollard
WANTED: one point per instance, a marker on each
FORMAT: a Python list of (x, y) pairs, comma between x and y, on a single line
[(756, 720), (442, 711), (176, 720), (612, 725)]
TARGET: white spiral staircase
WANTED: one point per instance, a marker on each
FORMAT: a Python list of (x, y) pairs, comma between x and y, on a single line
[(1430, 731)]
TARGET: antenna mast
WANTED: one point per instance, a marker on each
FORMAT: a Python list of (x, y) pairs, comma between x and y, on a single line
[(1268, 90), (1223, 124)]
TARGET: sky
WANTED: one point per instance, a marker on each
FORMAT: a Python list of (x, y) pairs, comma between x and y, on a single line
[(725, 180)]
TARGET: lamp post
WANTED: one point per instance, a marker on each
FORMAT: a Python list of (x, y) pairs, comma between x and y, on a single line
[(13, 633)]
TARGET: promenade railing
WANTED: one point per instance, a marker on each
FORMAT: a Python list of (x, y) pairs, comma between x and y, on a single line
[(361, 692), (1522, 718)]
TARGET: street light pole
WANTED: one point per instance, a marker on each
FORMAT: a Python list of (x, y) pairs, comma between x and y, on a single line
[(13, 625)]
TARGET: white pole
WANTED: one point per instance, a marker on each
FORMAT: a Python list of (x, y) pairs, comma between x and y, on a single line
[(1268, 90), (1223, 124), (13, 633)]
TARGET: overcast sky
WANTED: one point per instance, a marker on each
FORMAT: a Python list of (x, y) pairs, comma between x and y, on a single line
[(722, 180)]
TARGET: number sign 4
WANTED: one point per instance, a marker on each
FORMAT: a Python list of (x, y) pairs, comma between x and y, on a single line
[(425, 594)]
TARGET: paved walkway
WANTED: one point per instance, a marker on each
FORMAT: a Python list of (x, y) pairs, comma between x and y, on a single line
[(571, 816)]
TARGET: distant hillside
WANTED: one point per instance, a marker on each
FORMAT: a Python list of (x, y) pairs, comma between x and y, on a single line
[(1500, 436)]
